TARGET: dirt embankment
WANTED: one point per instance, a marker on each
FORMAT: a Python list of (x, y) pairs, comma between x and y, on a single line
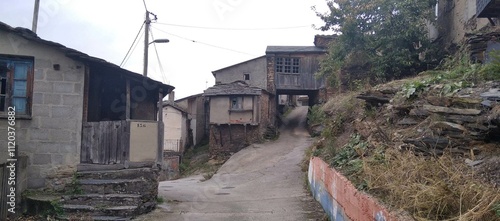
[(429, 149)]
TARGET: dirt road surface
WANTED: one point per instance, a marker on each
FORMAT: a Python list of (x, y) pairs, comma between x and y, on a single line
[(260, 182)]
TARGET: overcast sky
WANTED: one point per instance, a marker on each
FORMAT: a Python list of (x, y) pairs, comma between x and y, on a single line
[(205, 35)]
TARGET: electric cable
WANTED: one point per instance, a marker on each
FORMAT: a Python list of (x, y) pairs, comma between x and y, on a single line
[(211, 45), (132, 46)]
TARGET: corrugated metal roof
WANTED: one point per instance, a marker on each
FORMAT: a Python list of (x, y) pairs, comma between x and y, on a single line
[(294, 49)]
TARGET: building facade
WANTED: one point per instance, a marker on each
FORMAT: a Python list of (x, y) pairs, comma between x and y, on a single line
[(239, 116), (73, 109)]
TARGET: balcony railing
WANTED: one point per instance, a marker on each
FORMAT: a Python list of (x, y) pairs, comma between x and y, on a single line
[(173, 145)]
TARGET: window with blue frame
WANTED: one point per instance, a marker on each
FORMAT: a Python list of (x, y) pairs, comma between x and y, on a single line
[(16, 76)]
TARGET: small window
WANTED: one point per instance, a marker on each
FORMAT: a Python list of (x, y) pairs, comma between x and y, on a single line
[(288, 65), (246, 77), (236, 103), (16, 75)]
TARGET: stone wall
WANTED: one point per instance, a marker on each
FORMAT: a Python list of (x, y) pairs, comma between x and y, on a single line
[(170, 168), (480, 45), (51, 137), (226, 139), (455, 18)]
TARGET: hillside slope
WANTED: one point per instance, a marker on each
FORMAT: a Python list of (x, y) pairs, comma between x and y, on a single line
[(429, 145)]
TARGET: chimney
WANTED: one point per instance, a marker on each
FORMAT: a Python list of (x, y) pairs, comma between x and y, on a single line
[(171, 96), (323, 41)]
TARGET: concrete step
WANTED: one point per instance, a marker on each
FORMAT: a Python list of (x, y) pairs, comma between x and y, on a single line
[(117, 186), (103, 199), (139, 173), (104, 211)]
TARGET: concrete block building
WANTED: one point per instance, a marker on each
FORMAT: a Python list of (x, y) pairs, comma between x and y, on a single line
[(73, 110)]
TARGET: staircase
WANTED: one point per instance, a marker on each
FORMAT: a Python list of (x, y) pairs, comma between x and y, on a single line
[(111, 194)]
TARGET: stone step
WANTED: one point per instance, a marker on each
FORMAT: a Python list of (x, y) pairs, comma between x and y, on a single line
[(103, 211), (117, 186), (103, 199), (145, 173)]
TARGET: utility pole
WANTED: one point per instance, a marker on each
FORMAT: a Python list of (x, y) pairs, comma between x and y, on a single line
[(35, 16), (146, 44)]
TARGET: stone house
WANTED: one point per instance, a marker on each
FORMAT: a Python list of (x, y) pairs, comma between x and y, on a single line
[(239, 115), (253, 72), (244, 103), (196, 108), (455, 19), (74, 112), (291, 69)]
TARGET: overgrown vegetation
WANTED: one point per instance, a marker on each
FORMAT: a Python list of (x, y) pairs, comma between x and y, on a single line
[(315, 115), (197, 161), (456, 72), (74, 188), (428, 187), (160, 200), (386, 38)]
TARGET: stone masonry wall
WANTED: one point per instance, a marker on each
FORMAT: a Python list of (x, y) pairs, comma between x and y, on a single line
[(226, 139), (456, 18), (51, 139)]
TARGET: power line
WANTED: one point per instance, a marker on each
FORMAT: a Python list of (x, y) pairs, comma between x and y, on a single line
[(235, 29), (132, 46), (162, 72), (211, 45)]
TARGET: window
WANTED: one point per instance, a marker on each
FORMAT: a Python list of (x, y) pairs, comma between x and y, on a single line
[(246, 77), (16, 75), (287, 65), (236, 103)]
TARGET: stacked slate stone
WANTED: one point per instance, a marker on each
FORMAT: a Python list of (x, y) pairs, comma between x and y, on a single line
[(456, 124), (478, 42)]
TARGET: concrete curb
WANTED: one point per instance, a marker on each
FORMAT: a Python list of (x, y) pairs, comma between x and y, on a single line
[(340, 199)]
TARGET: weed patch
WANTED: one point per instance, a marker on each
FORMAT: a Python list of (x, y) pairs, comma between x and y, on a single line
[(431, 188)]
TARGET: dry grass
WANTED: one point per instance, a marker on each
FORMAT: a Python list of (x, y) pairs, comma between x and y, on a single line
[(431, 188)]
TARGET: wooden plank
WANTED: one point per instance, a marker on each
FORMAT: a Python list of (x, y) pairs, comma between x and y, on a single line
[(95, 142), (84, 152), (126, 146), (105, 146), (100, 152), (119, 142), (115, 127)]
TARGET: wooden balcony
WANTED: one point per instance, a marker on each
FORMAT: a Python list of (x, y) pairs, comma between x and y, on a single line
[(487, 8)]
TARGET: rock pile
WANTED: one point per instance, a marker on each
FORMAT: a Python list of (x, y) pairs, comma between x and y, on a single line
[(435, 124)]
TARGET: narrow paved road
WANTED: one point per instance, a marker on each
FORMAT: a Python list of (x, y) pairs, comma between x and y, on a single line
[(261, 182)]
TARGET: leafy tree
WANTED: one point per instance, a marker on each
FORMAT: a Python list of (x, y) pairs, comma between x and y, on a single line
[(386, 38)]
